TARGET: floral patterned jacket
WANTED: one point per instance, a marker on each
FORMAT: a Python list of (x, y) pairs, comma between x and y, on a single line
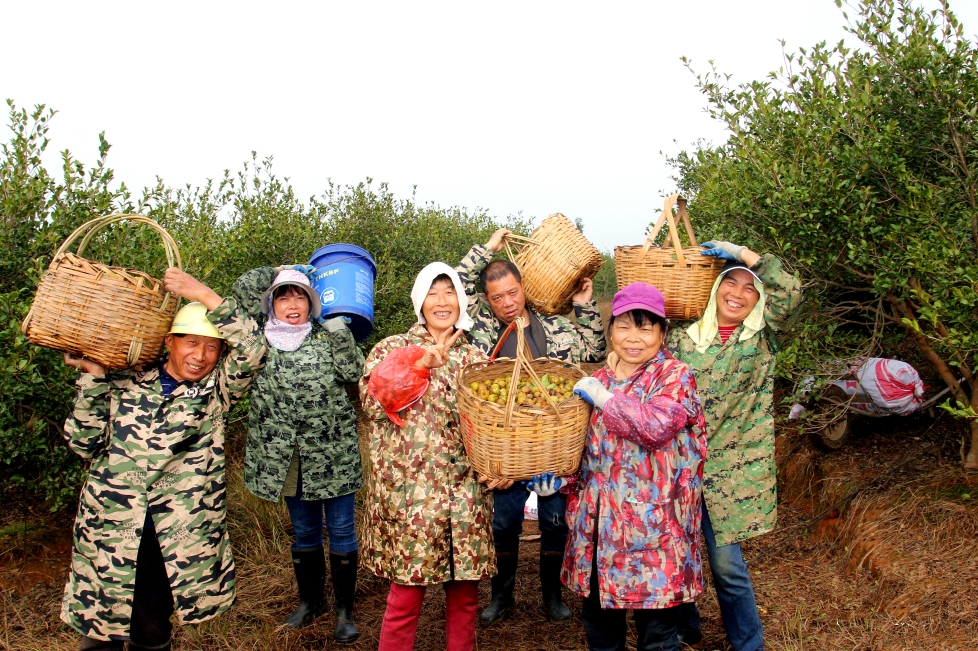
[(428, 518), (637, 503)]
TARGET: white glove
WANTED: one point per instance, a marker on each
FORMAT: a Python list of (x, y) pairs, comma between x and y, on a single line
[(546, 484), (592, 391)]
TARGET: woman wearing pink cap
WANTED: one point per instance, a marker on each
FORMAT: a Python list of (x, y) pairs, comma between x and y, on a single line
[(634, 511)]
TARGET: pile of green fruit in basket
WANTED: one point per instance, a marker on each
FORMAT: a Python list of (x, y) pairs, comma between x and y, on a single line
[(527, 391)]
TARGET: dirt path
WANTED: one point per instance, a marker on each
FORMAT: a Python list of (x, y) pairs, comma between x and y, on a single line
[(894, 569)]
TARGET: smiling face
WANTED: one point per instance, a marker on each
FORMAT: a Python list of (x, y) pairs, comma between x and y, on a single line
[(506, 298), (291, 305), (440, 308), (736, 297), (635, 344), (192, 356)]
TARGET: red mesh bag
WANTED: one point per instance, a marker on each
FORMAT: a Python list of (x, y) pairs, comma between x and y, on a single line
[(397, 383)]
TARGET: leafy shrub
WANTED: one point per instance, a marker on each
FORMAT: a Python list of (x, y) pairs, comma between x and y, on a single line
[(859, 168), (248, 219)]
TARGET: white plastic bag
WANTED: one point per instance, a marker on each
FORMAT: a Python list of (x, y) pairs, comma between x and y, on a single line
[(530, 508)]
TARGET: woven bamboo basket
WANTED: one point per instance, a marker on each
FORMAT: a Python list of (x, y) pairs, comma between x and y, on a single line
[(513, 441), (553, 261), (684, 277), (113, 316)]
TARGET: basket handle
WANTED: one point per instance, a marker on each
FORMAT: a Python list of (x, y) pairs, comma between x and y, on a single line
[(522, 363), (666, 217), (683, 214), (91, 228), (513, 240)]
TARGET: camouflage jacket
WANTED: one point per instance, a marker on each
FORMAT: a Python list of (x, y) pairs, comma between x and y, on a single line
[(736, 385), (165, 456), (581, 340), (299, 398), (428, 518), (640, 491)]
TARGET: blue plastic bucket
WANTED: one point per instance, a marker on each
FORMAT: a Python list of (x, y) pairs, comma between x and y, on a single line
[(344, 280)]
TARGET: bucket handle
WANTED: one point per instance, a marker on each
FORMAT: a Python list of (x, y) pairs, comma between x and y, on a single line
[(666, 216)]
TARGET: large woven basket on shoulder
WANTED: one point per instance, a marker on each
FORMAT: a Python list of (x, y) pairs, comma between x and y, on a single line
[(553, 261), (512, 441), (114, 316), (684, 277)]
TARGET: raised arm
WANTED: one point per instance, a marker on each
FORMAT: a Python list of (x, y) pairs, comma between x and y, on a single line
[(347, 356), (588, 328), (238, 318), (476, 260), (782, 291)]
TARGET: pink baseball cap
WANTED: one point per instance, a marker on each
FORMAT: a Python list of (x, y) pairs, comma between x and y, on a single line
[(639, 296)]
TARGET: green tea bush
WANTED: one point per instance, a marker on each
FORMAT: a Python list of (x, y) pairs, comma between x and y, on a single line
[(859, 168), (223, 228)]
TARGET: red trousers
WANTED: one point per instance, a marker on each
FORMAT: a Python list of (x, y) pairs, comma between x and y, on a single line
[(404, 602)]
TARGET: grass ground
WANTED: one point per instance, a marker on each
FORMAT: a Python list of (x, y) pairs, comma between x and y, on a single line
[(892, 569)]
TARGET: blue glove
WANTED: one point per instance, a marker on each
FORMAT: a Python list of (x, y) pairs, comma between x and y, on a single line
[(307, 269), (723, 250), (545, 485), (592, 391)]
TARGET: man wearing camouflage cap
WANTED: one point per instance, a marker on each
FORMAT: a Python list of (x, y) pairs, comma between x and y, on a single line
[(150, 534), (576, 340), (731, 350)]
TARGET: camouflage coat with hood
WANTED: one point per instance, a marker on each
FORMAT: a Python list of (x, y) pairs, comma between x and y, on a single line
[(428, 518), (577, 341), (301, 417), (736, 384), (164, 456)]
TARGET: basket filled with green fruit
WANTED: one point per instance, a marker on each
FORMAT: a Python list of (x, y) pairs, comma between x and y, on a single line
[(520, 416)]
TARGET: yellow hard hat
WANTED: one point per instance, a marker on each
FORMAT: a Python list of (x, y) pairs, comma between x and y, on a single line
[(191, 319)]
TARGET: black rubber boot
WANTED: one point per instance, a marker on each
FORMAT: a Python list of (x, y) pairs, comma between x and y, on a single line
[(136, 647), (553, 602), (310, 575), (501, 606), (91, 644), (343, 568)]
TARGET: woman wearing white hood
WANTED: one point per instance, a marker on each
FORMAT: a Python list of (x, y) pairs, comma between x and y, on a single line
[(429, 520)]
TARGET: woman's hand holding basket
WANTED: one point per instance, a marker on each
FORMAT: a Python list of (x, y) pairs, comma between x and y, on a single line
[(730, 251), (592, 392)]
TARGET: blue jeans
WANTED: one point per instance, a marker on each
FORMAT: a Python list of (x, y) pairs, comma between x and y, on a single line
[(507, 519), (734, 592), (307, 521)]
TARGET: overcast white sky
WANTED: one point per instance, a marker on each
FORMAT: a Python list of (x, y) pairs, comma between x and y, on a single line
[(537, 107)]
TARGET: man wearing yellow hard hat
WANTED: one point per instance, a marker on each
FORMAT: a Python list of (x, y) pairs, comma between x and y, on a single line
[(150, 535)]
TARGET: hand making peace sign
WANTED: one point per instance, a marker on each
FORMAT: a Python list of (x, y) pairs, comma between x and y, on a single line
[(436, 355)]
